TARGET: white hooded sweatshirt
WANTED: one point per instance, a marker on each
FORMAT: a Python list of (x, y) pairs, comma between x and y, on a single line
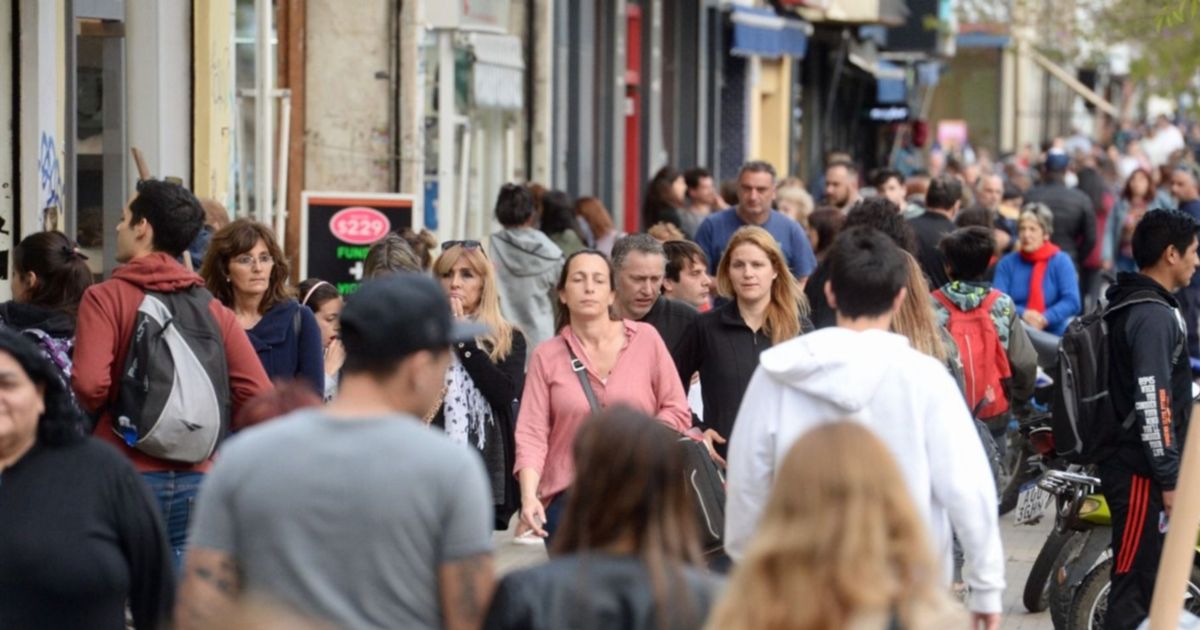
[(910, 401)]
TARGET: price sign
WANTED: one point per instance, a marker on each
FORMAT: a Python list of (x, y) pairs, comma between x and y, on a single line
[(338, 229)]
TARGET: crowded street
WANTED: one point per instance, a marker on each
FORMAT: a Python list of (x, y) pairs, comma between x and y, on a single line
[(629, 314)]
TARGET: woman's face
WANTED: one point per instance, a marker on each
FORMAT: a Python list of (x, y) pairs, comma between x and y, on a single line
[(22, 282), (250, 271), (1031, 235), (463, 283), (751, 272), (588, 293), (21, 405), (327, 319), (678, 190), (1139, 185)]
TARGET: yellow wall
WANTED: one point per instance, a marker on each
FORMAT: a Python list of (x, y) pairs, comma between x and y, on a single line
[(212, 97), (770, 112)]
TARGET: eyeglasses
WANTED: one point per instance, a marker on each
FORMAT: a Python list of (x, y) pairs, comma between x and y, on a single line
[(247, 260), (464, 244)]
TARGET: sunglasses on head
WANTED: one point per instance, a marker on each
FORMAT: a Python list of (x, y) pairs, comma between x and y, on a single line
[(464, 244)]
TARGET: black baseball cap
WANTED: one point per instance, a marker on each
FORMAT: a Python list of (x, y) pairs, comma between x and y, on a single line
[(399, 314)]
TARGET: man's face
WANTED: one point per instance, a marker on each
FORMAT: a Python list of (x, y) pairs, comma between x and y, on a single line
[(639, 283), (704, 192), (894, 191), (1187, 265), (1183, 186), (839, 189), (127, 235), (991, 191), (756, 191), (694, 286)]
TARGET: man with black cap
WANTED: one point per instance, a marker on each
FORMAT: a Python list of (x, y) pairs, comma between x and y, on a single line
[(356, 514), (1074, 216)]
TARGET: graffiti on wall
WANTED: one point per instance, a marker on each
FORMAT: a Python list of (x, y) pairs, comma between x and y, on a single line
[(50, 184)]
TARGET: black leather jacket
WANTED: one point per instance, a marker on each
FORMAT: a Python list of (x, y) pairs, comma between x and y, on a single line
[(599, 591)]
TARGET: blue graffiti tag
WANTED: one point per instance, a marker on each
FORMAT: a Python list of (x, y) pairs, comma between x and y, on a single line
[(51, 182)]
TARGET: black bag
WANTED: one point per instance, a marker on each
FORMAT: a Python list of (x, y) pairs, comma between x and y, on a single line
[(704, 480), (1084, 421)]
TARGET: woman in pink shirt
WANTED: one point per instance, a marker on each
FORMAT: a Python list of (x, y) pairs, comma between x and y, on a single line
[(626, 363)]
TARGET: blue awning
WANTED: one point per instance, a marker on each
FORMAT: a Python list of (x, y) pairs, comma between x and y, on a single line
[(890, 84), (982, 40), (762, 32)]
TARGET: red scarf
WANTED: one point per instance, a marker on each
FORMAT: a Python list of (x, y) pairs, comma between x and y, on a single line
[(1040, 260)]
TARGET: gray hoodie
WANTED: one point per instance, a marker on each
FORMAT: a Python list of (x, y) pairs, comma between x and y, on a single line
[(527, 268)]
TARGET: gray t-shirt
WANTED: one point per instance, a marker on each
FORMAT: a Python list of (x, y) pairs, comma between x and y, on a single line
[(346, 520)]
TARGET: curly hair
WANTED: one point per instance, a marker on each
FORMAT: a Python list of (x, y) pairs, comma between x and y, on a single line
[(232, 241), (62, 422)]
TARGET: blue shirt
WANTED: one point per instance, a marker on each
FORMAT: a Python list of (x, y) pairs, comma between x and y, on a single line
[(718, 228), (1060, 287)]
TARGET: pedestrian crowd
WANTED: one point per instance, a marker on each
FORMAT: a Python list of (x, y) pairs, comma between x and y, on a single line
[(204, 448)]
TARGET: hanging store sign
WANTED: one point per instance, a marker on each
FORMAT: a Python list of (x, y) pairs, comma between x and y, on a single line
[(888, 113), (337, 230)]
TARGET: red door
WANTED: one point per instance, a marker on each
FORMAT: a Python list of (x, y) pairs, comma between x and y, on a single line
[(633, 120)]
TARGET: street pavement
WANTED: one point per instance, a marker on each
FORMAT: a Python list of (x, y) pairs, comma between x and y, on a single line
[(1021, 546)]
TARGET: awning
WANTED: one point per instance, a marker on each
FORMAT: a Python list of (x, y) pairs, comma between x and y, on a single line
[(762, 32), (497, 76), (890, 83), (982, 40)]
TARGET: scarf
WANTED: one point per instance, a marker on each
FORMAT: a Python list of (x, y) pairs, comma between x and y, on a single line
[(1040, 260), (469, 420)]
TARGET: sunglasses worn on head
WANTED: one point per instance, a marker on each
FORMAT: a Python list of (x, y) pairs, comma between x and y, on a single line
[(464, 244)]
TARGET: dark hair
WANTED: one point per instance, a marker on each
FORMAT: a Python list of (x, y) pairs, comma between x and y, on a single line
[(62, 273), (658, 205), (881, 176), (172, 211), (883, 215), (692, 176), (680, 255), (944, 191), (514, 205), (655, 515), (866, 272), (827, 222), (1012, 192), (562, 316), (236, 239), (285, 397), (643, 243), (846, 164), (1127, 191), (62, 422), (729, 191), (757, 166), (1159, 230), (977, 217), (968, 252), (558, 214), (318, 293)]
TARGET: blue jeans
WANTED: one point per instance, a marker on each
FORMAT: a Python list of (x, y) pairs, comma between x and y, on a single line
[(176, 494), (554, 514)]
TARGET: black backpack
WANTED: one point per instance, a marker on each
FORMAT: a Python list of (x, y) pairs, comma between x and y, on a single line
[(1084, 422), (174, 402)]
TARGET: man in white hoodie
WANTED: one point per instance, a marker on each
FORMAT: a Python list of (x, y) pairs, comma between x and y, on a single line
[(860, 371)]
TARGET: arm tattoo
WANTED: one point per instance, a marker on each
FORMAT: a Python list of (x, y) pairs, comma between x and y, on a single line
[(210, 588), (466, 588)]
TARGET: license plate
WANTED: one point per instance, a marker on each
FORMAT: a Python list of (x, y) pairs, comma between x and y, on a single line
[(1031, 504)]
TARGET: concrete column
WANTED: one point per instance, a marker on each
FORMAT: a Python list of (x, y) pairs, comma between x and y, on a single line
[(158, 55), (42, 112), (213, 102), (412, 108)]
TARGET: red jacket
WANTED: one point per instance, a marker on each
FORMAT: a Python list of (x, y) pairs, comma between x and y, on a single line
[(102, 337)]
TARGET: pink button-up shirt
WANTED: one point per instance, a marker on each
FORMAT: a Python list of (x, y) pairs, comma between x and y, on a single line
[(553, 405)]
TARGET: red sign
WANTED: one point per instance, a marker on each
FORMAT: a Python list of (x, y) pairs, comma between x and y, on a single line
[(359, 225)]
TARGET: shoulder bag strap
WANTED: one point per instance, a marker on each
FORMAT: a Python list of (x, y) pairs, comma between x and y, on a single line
[(581, 372)]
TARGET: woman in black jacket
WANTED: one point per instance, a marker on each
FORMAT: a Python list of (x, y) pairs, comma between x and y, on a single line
[(767, 308), (484, 383)]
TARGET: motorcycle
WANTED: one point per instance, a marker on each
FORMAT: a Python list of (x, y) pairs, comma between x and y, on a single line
[(1078, 593), (1031, 506)]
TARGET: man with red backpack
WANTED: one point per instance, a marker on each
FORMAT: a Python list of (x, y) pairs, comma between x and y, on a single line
[(999, 362)]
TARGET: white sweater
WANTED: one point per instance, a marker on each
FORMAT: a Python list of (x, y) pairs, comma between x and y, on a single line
[(911, 402)]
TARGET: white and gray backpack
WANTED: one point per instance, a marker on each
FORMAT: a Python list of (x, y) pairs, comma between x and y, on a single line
[(173, 401)]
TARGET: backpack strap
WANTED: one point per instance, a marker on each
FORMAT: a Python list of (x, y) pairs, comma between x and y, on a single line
[(581, 372), (990, 300), (945, 301)]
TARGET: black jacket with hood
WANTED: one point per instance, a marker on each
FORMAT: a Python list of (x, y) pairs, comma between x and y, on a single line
[(1149, 375), (20, 316)]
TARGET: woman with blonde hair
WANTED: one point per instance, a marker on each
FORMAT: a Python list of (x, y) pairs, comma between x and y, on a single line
[(793, 200), (483, 383), (765, 308), (840, 545)]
